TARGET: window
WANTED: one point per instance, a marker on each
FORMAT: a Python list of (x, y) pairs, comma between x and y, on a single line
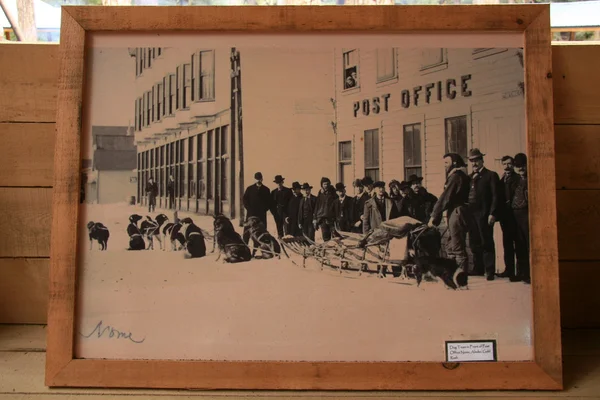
[(149, 58), (191, 179), (350, 61), (159, 101), (224, 163), (153, 102), (431, 58), (456, 135), (200, 168), (137, 111), (172, 94), (148, 107), (209, 164), (140, 53), (345, 160), (412, 150), (206, 84), (386, 64), (159, 51), (187, 81), (144, 121), (179, 87), (372, 154), (140, 113)]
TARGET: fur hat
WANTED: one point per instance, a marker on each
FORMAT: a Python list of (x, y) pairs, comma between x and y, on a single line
[(325, 179)]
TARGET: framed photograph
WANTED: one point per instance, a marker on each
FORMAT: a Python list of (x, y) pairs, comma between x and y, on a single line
[(322, 198)]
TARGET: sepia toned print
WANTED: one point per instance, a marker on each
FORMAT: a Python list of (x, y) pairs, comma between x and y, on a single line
[(304, 203)]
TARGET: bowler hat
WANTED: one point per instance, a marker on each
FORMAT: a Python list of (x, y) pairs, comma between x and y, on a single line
[(414, 178), (258, 176), (279, 179), (404, 185), (520, 160), (475, 154), (379, 184), (358, 183), (340, 187), (296, 185), (306, 186), (367, 180)]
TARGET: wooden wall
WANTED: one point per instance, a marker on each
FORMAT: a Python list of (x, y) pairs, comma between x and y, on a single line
[(28, 85)]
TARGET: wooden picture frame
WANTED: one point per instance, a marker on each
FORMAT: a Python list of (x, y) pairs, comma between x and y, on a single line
[(532, 21)]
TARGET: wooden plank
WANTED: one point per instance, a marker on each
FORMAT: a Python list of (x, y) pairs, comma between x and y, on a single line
[(575, 81), (578, 221), (25, 222), (577, 156), (579, 298), (23, 290), (27, 154), (24, 338), (24, 373), (29, 75)]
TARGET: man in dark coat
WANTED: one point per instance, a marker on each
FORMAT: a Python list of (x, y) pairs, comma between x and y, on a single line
[(360, 198), (280, 199), (291, 220), (520, 208), (378, 209), (152, 192), (257, 199), (421, 200), (508, 184), (400, 194), (344, 209), (454, 201), (483, 204), (171, 191), (324, 216), (308, 204)]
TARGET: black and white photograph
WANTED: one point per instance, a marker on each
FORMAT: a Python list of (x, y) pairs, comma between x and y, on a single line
[(318, 197)]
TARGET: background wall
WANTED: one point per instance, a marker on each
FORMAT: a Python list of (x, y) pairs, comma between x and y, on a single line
[(27, 113)]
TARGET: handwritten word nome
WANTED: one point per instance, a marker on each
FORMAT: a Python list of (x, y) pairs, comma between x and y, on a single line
[(111, 333)]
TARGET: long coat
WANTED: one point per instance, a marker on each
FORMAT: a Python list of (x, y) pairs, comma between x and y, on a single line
[(422, 205), (325, 202), (487, 193), (372, 217), (344, 213), (257, 201), (307, 216)]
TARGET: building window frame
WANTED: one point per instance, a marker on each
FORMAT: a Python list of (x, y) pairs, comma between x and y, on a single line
[(389, 77), (372, 153), (427, 68), (456, 125), (204, 87), (480, 53), (345, 157), (159, 98), (350, 67), (416, 166), (186, 95)]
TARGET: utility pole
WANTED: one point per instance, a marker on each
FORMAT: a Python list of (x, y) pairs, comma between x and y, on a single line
[(26, 18)]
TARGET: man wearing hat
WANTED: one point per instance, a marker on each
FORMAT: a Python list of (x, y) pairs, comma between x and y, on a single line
[(484, 195), (324, 216), (257, 199), (378, 209), (360, 198), (344, 209), (152, 192), (422, 201), (400, 195), (308, 204), (520, 208), (291, 220), (508, 184), (280, 199)]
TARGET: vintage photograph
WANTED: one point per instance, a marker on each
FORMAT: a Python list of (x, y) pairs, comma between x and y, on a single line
[(313, 198)]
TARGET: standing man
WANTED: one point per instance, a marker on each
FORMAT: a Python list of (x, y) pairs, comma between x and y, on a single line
[(280, 199), (291, 220), (520, 207), (308, 204), (454, 201), (324, 216), (171, 191), (257, 199), (379, 208), (344, 209), (360, 198), (421, 200), (152, 192), (508, 185), (483, 205)]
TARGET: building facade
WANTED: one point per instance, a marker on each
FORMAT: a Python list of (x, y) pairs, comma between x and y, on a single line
[(400, 110), (189, 123)]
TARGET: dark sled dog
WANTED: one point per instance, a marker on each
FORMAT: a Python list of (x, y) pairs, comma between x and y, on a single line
[(136, 240), (438, 267), (194, 239), (97, 231), (229, 241), (170, 230), (261, 239)]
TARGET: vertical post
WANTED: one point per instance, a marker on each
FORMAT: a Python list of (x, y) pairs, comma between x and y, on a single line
[(12, 20)]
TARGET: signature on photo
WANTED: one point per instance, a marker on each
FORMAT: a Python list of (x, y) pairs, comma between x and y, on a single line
[(110, 332)]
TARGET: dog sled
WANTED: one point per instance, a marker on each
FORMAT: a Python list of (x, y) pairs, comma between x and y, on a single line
[(369, 253)]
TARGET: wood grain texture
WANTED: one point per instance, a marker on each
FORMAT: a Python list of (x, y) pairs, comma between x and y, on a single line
[(65, 200), (24, 231), (303, 19), (578, 221), (23, 338), (26, 154), (578, 156), (29, 75), (23, 290), (576, 99), (542, 197), (579, 300)]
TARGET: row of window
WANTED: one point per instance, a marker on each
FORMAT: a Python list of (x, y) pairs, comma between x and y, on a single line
[(144, 58), (387, 65), (190, 166), (193, 81), (455, 139)]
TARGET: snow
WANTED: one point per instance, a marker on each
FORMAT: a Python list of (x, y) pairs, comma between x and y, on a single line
[(277, 310)]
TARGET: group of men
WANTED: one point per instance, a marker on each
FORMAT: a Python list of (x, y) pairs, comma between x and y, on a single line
[(472, 203)]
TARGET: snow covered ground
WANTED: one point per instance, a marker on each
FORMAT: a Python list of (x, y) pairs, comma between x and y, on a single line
[(157, 305)]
